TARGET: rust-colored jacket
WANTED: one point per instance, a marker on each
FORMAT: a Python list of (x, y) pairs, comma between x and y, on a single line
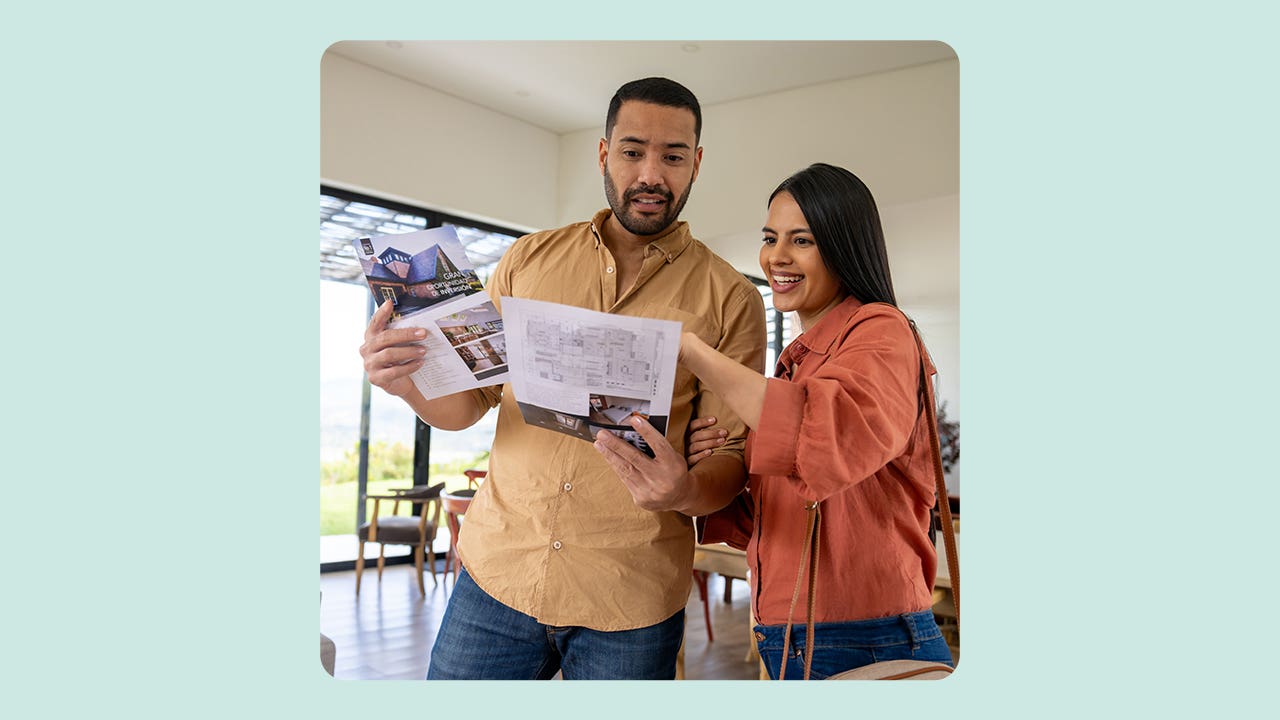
[(843, 423)]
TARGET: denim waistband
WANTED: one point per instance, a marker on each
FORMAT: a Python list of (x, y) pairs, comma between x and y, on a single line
[(913, 628)]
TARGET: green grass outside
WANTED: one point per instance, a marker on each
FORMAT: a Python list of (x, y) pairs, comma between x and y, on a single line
[(338, 499)]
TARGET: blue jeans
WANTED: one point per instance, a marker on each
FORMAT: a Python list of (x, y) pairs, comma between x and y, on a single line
[(482, 639), (847, 645)]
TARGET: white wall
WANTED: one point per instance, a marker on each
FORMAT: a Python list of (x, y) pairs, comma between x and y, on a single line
[(398, 139), (923, 238)]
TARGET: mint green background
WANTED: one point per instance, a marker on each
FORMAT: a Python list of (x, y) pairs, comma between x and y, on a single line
[(1118, 245)]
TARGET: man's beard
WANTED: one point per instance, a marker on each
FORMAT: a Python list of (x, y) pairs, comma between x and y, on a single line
[(637, 224)]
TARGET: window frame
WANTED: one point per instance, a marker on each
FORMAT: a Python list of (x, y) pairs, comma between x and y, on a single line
[(422, 431)]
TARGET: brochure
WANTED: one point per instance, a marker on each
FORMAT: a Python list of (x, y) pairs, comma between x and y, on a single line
[(433, 284)]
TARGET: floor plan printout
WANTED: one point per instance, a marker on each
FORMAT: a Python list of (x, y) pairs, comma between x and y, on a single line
[(578, 371), (433, 285)]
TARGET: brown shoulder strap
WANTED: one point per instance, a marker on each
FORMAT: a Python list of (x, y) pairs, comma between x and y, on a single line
[(808, 561), (944, 504)]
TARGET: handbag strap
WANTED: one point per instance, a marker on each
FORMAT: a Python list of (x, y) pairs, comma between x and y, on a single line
[(809, 552), (944, 503), (809, 561)]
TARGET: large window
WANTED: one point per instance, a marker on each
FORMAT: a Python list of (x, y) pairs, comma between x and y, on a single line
[(369, 440)]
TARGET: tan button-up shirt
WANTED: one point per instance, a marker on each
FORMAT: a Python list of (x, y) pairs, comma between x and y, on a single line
[(552, 532)]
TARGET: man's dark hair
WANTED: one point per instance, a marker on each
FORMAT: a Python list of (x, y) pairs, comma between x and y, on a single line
[(844, 220), (659, 91)]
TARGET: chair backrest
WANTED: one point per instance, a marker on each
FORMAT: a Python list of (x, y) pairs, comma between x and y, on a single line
[(475, 476), (458, 501), (423, 492)]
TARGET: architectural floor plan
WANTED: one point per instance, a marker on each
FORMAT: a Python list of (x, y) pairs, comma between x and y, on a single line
[(578, 371)]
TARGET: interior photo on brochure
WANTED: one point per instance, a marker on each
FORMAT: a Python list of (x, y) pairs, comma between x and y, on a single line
[(433, 285), (578, 371)]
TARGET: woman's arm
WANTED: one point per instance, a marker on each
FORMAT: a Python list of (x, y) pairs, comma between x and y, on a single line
[(740, 387)]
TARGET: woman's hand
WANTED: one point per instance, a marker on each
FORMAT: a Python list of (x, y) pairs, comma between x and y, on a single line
[(703, 439)]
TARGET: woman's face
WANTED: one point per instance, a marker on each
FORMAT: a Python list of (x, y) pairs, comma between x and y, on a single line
[(789, 258)]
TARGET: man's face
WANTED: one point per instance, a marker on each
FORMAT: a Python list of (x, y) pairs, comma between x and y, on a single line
[(649, 163)]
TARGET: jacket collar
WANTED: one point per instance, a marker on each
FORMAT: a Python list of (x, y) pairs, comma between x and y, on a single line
[(829, 329), (819, 338)]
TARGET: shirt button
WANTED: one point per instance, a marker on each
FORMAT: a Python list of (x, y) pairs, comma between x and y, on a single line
[(568, 487), (556, 544), (609, 269)]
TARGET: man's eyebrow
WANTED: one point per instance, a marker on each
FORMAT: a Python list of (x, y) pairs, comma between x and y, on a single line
[(642, 141)]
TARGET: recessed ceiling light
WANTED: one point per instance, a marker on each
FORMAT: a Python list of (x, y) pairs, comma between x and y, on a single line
[(395, 44), (522, 93), (690, 48)]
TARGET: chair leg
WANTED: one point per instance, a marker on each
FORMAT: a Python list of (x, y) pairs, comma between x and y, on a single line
[(382, 548), (728, 589), (359, 566), (700, 577), (417, 563), (431, 563)]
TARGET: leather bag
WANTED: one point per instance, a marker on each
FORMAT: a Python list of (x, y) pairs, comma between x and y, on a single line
[(888, 669)]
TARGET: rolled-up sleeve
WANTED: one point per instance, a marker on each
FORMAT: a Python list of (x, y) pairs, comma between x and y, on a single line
[(731, 525), (851, 417), (488, 397)]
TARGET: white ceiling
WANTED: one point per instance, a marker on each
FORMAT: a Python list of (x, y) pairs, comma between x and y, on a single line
[(525, 80)]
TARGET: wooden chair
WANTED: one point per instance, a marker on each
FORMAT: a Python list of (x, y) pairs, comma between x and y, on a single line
[(721, 559), (455, 506), (416, 532)]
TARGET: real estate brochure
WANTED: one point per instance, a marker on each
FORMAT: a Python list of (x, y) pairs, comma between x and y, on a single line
[(578, 371), (433, 284)]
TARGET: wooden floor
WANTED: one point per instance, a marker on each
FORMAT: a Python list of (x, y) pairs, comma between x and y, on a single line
[(387, 632)]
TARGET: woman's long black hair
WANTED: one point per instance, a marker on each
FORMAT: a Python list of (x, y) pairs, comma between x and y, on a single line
[(844, 220)]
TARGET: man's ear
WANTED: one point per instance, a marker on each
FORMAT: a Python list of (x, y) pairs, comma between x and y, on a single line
[(697, 163), (604, 153)]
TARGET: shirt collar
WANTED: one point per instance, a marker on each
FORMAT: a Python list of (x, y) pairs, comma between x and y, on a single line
[(671, 243)]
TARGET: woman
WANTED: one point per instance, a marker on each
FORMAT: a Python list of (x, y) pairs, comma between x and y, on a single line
[(842, 423)]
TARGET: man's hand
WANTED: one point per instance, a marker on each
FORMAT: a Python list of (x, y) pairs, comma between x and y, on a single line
[(658, 483), (391, 356)]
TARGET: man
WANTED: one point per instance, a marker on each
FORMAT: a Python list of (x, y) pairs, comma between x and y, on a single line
[(578, 557)]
